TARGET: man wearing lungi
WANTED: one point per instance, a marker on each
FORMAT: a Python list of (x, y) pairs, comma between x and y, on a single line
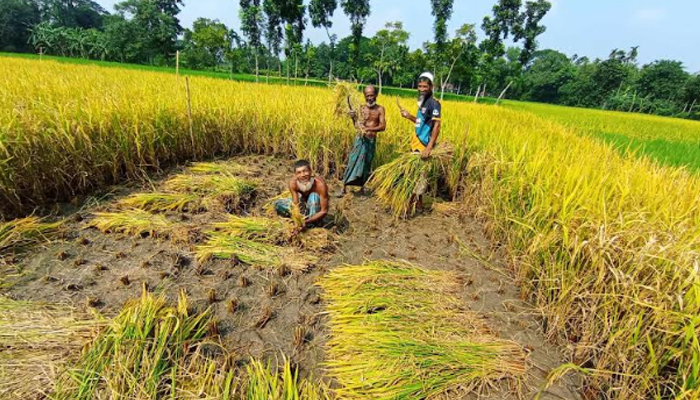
[(371, 121), (309, 193)]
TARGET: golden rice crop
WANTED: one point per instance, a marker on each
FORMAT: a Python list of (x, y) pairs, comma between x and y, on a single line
[(36, 339), (153, 350), (132, 222), (221, 168), (605, 245), (223, 246), (161, 202), (402, 332)]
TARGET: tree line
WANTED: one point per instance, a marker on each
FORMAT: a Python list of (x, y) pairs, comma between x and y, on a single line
[(505, 62)]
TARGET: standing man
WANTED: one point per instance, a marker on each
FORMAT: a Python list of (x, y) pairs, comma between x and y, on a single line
[(372, 122), (427, 119), (309, 193)]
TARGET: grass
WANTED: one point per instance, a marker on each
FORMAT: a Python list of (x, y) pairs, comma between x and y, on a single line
[(223, 246), (402, 332), (21, 234), (133, 222), (664, 152), (36, 340)]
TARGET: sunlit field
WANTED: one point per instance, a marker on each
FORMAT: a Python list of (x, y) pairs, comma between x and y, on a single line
[(603, 243)]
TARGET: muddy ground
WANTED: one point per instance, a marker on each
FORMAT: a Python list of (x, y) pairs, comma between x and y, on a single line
[(89, 267)]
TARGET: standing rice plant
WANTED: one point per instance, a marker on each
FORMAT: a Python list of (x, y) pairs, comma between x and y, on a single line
[(401, 332), (36, 340), (20, 234), (133, 222)]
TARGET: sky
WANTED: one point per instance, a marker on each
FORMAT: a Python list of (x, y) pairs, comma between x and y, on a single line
[(663, 29)]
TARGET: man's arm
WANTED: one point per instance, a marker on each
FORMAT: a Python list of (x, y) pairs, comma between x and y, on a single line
[(437, 125), (293, 190), (322, 190)]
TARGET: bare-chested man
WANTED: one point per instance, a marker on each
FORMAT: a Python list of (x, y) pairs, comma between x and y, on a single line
[(372, 121), (309, 192)]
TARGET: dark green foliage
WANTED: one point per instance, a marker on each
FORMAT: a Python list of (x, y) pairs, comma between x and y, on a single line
[(17, 17)]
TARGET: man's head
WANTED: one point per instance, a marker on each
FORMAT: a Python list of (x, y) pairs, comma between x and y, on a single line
[(371, 95), (425, 84), (302, 171)]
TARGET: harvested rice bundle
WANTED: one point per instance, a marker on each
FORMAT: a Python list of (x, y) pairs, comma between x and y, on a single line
[(162, 202), (398, 182), (36, 338), (133, 222), (264, 255), (401, 332), (345, 97), (230, 191), (260, 229), (220, 168), (19, 234)]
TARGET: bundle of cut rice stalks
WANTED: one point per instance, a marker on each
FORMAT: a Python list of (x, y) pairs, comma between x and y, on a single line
[(36, 340), (232, 192), (132, 222), (278, 232), (401, 332), (254, 253), (397, 183), (346, 98), (162, 202), (218, 168), (19, 234)]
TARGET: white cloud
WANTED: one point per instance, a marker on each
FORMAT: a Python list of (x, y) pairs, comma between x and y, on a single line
[(649, 15)]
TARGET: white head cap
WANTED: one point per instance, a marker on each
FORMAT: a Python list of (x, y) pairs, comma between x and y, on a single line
[(427, 75)]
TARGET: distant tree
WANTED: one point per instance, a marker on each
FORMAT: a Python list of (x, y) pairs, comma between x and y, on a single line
[(390, 44), (158, 22), (357, 11), (251, 15), (293, 14), (205, 46), (663, 79), (691, 96), (17, 18), (73, 13), (528, 27), (442, 11), (549, 72), (321, 12), (273, 30)]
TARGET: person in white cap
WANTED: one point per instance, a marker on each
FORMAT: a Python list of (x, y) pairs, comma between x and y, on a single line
[(427, 119)]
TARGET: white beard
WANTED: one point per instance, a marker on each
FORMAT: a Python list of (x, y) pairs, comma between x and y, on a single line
[(306, 187)]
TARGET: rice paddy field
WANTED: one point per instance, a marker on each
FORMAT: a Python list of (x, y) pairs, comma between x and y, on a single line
[(559, 259)]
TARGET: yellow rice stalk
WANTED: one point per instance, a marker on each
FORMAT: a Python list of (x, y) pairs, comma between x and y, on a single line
[(265, 383), (19, 234), (37, 339), (269, 206), (210, 185), (218, 168), (222, 246), (401, 332), (396, 184), (345, 95), (161, 202), (260, 229), (317, 240), (132, 222)]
